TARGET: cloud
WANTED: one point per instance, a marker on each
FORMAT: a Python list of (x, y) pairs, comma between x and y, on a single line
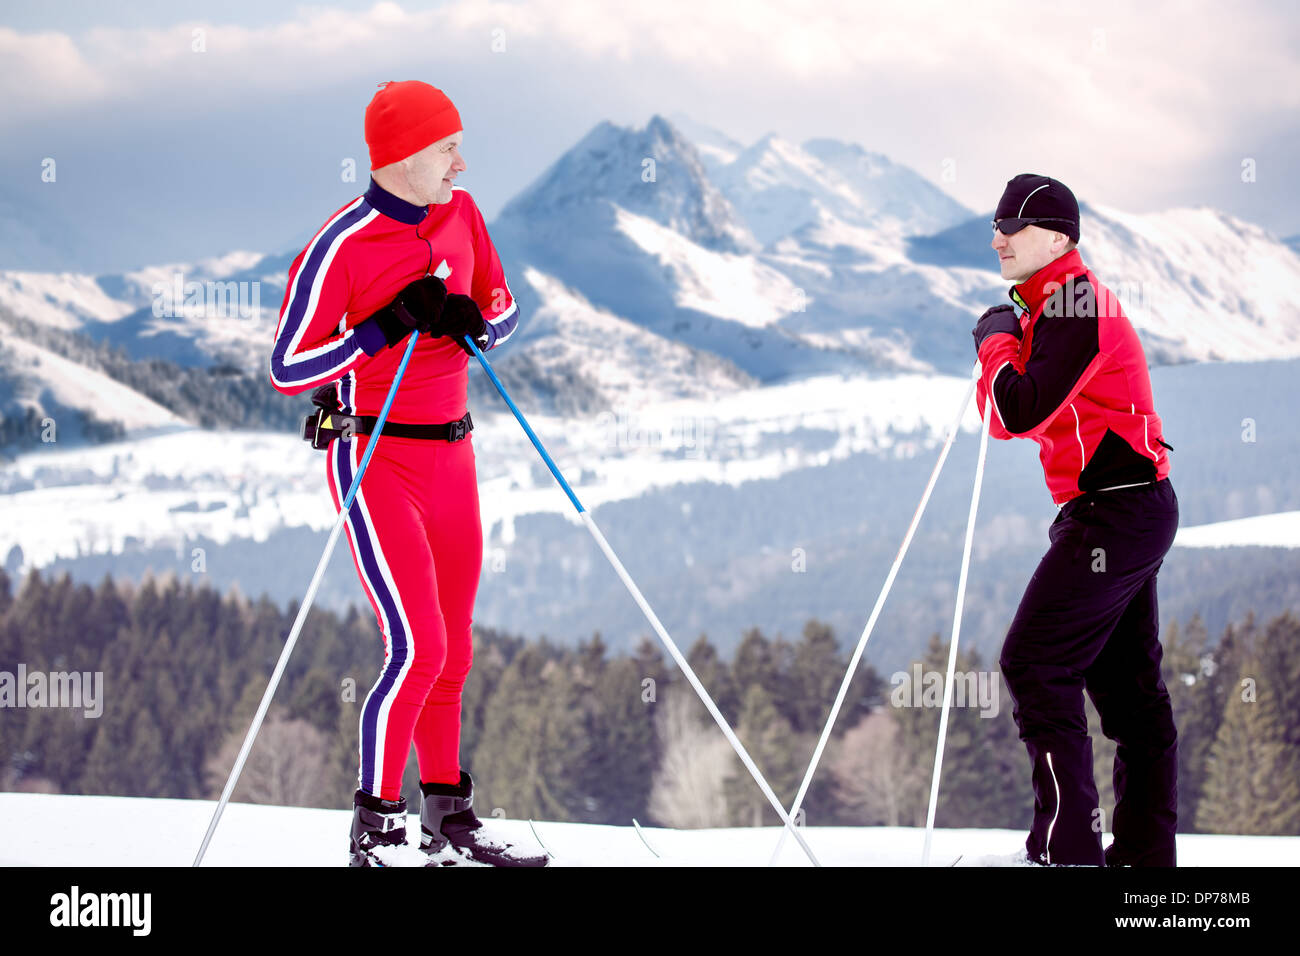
[(43, 71), (1206, 50), (1123, 99)]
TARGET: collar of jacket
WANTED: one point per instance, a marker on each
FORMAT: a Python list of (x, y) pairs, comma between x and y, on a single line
[(1034, 291), (393, 207)]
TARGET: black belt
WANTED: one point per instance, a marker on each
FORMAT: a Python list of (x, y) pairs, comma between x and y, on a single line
[(323, 426), (328, 423)]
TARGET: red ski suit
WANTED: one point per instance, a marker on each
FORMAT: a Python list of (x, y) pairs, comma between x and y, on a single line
[(1076, 382), (414, 525)]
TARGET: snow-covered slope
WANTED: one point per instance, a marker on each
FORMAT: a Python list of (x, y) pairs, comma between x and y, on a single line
[(1268, 531), (173, 488), (104, 831), (1198, 283), (779, 187), (886, 190), (722, 284), (64, 300), (43, 380), (636, 369), (164, 490), (217, 310)]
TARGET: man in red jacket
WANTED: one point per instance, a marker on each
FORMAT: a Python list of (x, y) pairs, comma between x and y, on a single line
[(1066, 369), (411, 253)]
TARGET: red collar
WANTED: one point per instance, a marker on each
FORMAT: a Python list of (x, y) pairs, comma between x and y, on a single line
[(1034, 291)]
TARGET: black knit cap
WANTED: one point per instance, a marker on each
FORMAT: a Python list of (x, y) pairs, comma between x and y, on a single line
[(1030, 196)]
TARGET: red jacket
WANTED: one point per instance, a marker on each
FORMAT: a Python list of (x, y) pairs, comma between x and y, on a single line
[(1076, 382), (364, 255)]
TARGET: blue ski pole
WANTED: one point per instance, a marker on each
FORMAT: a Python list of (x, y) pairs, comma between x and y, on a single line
[(646, 609), (306, 602)]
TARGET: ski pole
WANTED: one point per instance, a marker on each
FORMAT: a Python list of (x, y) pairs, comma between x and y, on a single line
[(875, 613), (956, 628), (306, 602), (645, 608)]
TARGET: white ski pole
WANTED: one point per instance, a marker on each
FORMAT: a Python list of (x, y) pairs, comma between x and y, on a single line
[(875, 612), (306, 605), (956, 629), (646, 609)]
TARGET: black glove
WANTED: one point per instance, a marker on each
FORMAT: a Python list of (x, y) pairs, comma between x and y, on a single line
[(1000, 318), (418, 306), (460, 317)]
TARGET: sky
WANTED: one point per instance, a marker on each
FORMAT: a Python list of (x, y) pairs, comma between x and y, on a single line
[(182, 130)]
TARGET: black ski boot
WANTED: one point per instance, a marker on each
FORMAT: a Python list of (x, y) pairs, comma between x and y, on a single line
[(451, 833), (376, 825), (1117, 856)]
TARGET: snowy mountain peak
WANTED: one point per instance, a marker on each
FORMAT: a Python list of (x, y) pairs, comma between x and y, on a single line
[(715, 147), (887, 189), (654, 172), (782, 188), (777, 157), (779, 188)]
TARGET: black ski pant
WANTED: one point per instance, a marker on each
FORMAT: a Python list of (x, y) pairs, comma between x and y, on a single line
[(1089, 621)]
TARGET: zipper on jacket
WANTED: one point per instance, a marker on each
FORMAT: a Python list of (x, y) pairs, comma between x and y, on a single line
[(428, 265)]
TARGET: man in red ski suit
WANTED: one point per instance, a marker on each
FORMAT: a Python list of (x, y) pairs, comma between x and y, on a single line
[(411, 253), (1066, 369)]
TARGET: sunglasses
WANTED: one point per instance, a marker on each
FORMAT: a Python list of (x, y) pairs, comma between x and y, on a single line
[(1009, 227)]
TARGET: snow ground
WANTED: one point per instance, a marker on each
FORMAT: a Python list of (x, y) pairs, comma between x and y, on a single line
[(107, 831)]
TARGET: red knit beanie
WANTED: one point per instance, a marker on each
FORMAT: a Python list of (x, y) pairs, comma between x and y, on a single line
[(405, 117)]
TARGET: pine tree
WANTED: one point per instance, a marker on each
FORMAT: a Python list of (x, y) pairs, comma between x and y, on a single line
[(490, 662), (755, 665), (315, 700), (816, 671), (531, 736), (714, 674), (1253, 778), (1187, 668), (622, 751), (652, 667), (1280, 663), (984, 779), (767, 736)]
